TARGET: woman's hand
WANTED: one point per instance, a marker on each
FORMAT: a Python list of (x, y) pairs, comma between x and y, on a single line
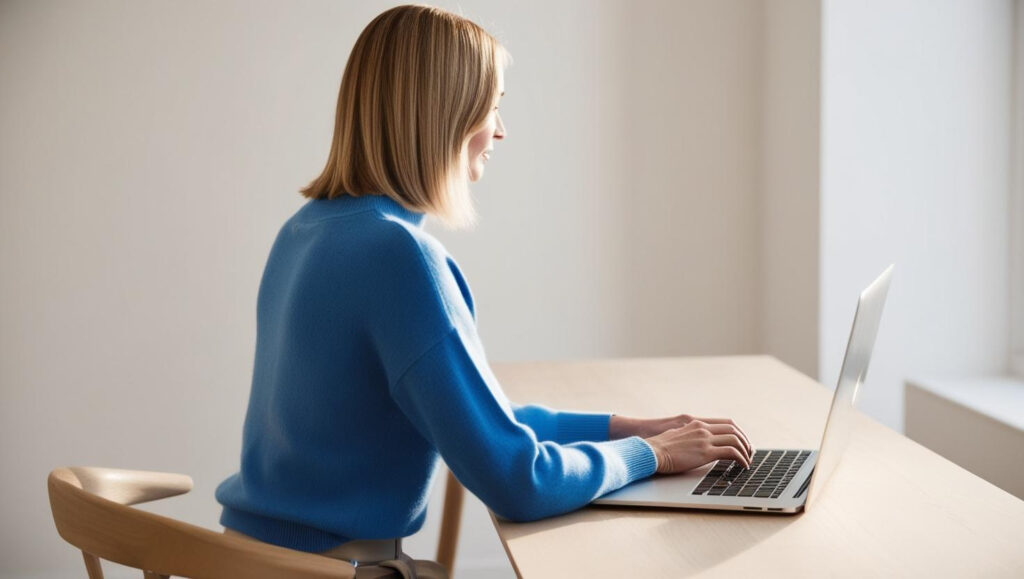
[(698, 443), (683, 442)]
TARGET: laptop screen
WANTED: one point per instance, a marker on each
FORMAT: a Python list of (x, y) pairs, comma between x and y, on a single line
[(851, 376)]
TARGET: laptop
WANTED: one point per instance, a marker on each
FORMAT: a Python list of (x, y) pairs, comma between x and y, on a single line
[(778, 480)]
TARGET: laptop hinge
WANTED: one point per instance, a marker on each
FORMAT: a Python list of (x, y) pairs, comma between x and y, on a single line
[(803, 487)]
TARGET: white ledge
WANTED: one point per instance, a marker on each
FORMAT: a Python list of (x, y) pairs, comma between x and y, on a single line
[(998, 397)]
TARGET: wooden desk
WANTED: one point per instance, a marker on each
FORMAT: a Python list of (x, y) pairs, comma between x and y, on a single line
[(927, 517)]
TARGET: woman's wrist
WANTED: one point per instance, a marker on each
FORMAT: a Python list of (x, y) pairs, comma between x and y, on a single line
[(662, 458), (624, 426)]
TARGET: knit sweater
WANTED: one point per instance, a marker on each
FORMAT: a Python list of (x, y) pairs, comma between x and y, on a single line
[(368, 370)]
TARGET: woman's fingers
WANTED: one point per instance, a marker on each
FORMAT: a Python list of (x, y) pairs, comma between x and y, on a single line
[(734, 430), (733, 441), (716, 423), (730, 453), (722, 428)]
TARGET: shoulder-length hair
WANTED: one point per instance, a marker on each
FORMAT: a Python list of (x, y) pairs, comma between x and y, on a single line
[(418, 83)]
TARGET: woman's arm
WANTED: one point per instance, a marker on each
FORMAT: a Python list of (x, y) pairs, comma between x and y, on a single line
[(453, 400), (567, 427)]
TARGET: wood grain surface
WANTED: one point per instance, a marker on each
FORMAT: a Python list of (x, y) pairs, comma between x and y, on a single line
[(892, 509)]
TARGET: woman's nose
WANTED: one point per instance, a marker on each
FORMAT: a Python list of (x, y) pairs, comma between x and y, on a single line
[(499, 127)]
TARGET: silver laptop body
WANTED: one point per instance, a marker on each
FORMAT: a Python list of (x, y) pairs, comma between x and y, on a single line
[(798, 474)]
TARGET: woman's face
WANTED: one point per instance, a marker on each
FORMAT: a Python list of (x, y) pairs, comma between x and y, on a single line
[(481, 143)]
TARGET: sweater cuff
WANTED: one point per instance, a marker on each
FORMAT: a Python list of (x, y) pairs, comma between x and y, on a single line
[(582, 426), (638, 457)]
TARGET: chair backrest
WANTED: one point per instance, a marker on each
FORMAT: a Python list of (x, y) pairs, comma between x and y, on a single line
[(91, 509)]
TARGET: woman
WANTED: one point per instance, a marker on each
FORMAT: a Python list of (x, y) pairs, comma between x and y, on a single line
[(368, 363)]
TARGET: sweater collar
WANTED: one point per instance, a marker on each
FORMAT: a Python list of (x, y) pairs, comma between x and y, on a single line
[(347, 204)]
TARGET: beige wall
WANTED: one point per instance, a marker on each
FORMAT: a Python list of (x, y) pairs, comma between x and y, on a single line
[(149, 152), (788, 203), (623, 200), (1017, 202)]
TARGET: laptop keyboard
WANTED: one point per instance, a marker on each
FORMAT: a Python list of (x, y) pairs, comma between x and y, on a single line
[(767, 477)]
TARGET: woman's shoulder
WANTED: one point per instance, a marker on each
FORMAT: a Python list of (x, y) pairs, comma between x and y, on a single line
[(410, 274), (368, 233), (390, 252), (395, 240), (413, 252), (376, 243)]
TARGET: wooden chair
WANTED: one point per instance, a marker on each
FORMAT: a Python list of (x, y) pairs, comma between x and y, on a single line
[(91, 509)]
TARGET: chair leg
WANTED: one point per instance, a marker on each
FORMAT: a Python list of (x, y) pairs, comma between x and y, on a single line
[(92, 566), (453, 496)]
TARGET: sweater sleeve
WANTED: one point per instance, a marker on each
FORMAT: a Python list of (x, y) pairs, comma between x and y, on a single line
[(452, 398), (561, 426)]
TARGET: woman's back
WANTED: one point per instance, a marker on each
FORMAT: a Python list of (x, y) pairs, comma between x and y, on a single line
[(352, 292)]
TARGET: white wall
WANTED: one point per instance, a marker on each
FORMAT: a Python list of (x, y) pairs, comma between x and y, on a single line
[(149, 152), (916, 121)]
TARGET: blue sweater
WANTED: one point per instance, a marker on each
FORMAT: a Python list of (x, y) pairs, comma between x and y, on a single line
[(368, 366)]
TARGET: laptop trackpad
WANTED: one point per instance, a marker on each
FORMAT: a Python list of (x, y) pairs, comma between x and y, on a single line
[(658, 489)]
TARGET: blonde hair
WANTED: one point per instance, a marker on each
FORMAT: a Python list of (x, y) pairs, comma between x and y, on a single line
[(418, 83)]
